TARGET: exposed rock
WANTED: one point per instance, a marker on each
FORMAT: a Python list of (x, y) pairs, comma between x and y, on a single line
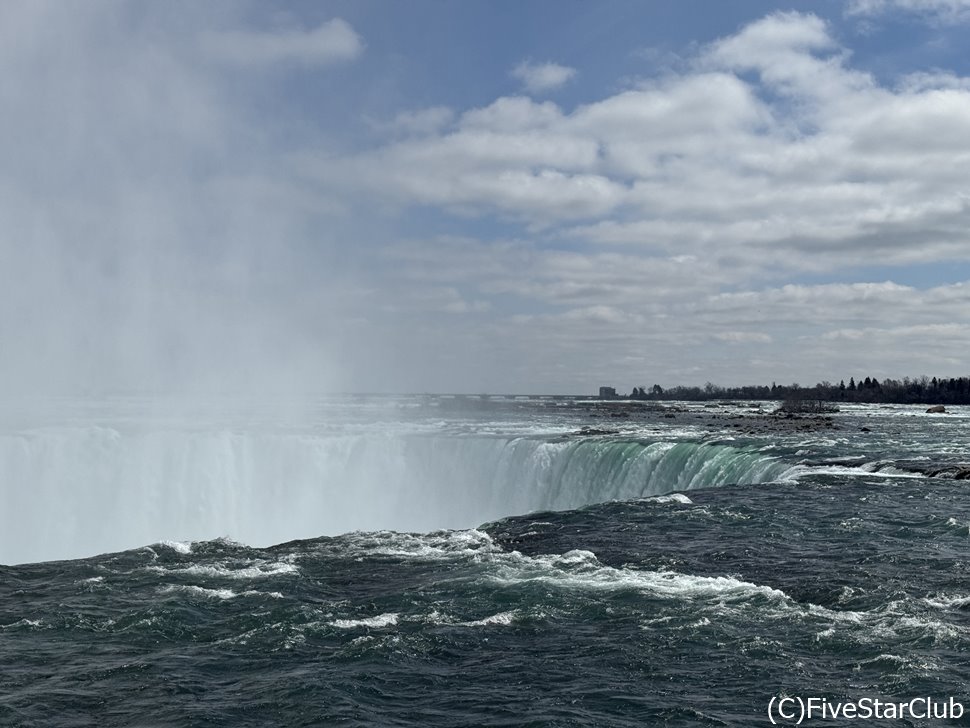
[(596, 431), (947, 471), (936, 409)]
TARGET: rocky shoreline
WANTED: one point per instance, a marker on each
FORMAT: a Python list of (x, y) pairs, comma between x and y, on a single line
[(753, 421)]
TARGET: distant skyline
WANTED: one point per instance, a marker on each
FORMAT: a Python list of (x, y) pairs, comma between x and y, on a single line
[(536, 197)]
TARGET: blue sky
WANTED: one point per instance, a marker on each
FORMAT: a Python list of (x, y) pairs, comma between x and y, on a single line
[(482, 196)]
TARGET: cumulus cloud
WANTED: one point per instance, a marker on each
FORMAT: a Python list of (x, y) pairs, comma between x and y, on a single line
[(766, 157), (770, 150), (542, 77), (331, 42)]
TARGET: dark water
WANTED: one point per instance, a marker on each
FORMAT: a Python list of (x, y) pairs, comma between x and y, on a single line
[(649, 612), (693, 609)]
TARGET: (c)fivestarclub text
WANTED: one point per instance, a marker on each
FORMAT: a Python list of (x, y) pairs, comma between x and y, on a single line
[(796, 710)]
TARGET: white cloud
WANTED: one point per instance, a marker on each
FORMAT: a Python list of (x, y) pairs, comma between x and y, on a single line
[(653, 234), (541, 77), (513, 114), (501, 157), (769, 152), (743, 337), (768, 156), (330, 42), (420, 121), (948, 11), (921, 81), (906, 333), (602, 315), (779, 35), (626, 319)]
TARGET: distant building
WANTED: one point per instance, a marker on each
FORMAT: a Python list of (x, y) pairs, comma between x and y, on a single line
[(607, 392)]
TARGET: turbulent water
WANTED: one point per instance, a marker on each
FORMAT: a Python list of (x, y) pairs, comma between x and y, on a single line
[(499, 566)]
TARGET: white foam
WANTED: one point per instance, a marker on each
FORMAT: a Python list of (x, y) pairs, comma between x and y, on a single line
[(888, 472), (431, 546), (671, 498), (199, 591), (381, 620), (503, 619), (437, 617), (940, 632), (944, 601), (32, 623), (181, 547), (582, 570), (215, 593), (903, 662), (954, 523), (894, 620), (257, 570)]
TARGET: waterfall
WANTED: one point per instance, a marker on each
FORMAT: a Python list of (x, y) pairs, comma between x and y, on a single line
[(75, 491)]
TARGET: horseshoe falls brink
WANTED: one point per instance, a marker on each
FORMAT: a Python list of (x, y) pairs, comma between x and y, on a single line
[(417, 561), (110, 480)]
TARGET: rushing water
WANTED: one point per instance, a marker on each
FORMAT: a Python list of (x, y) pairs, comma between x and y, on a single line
[(651, 571)]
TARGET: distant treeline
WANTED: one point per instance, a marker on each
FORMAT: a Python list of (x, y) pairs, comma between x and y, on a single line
[(921, 390)]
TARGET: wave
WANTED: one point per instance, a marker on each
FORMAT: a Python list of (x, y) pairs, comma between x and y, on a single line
[(73, 492)]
